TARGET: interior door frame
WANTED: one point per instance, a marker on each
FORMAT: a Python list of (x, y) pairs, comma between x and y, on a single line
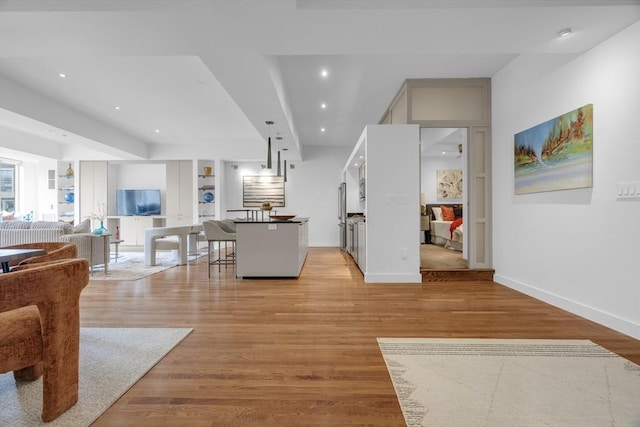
[(453, 95)]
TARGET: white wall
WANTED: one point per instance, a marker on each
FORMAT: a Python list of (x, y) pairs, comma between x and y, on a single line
[(311, 190), (577, 249), (393, 200)]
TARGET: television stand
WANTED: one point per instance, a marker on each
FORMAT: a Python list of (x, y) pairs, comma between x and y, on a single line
[(132, 227)]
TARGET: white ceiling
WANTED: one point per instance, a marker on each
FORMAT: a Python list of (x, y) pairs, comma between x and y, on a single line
[(208, 73)]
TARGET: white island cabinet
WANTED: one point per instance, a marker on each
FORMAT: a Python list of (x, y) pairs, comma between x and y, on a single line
[(271, 248)]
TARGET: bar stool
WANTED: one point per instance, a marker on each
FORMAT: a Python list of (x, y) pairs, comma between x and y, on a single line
[(214, 232)]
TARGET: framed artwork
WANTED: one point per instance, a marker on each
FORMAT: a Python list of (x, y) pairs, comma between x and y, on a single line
[(556, 154), (259, 189), (449, 183)]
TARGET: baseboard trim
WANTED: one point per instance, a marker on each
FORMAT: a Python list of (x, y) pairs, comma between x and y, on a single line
[(621, 325)]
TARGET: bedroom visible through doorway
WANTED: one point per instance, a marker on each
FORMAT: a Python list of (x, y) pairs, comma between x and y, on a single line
[(443, 198)]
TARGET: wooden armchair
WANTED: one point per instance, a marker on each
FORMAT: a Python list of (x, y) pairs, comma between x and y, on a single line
[(40, 328)]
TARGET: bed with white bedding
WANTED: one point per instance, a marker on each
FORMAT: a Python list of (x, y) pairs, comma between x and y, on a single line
[(446, 233), (442, 235)]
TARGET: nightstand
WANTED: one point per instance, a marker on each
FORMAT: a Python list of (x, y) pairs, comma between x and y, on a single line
[(425, 225)]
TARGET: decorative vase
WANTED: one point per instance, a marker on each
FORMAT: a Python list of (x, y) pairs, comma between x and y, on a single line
[(101, 229), (69, 197), (70, 170), (208, 197), (208, 170)]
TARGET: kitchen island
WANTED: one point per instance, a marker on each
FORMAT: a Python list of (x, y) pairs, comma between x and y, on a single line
[(271, 248)]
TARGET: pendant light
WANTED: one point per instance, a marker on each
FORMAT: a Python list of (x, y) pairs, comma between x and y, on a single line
[(269, 123), (279, 138), (285, 165)]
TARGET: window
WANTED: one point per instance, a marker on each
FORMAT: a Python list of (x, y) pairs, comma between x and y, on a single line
[(8, 186)]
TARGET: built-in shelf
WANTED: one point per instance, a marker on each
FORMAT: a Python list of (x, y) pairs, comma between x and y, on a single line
[(206, 184), (66, 185)]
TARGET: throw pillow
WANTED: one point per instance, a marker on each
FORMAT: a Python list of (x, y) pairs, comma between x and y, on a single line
[(83, 227), (437, 214), (457, 211), (447, 213), (7, 216)]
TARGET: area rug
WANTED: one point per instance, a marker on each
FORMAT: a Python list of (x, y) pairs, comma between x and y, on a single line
[(482, 382), (130, 266), (111, 361)]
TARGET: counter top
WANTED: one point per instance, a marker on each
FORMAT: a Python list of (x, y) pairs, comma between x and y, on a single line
[(271, 221)]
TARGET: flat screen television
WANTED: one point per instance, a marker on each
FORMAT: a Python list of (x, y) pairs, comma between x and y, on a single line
[(138, 202)]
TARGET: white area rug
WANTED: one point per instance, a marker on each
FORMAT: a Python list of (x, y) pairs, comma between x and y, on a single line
[(130, 266), (111, 361), (481, 382)]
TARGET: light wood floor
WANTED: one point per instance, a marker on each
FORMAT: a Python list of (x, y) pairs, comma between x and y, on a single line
[(302, 352)]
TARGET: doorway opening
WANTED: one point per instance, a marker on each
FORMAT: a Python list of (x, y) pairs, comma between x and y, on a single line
[(444, 196)]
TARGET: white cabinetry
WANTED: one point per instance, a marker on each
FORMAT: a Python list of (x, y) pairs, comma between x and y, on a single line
[(271, 249), (93, 188), (303, 244), (362, 246), (179, 193), (132, 227)]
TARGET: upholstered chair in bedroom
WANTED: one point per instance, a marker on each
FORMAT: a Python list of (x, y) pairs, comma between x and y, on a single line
[(40, 328), (55, 251)]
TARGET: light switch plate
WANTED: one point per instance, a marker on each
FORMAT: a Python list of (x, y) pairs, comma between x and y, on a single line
[(629, 190)]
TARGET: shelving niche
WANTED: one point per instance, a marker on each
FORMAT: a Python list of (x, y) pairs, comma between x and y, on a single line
[(66, 191), (206, 190)]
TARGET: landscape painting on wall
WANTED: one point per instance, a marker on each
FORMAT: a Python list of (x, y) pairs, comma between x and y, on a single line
[(257, 190), (556, 154), (449, 183)]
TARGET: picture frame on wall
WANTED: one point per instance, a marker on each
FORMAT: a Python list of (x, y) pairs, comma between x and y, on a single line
[(556, 154), (449, 183), (257, 190)]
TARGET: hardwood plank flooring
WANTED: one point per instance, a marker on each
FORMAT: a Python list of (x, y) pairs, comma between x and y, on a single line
[(302, 352)]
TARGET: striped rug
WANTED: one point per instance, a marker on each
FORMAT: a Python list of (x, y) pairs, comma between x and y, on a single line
[(488, 382)]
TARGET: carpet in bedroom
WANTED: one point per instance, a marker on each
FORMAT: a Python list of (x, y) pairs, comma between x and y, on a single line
[(437, 257)]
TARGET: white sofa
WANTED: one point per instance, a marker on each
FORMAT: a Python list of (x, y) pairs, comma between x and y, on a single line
[(18, 232)]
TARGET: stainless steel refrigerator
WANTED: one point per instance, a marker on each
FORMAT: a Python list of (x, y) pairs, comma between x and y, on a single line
[(342, 214)]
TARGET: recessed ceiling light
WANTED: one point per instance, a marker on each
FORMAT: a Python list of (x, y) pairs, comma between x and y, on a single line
[(323, 105), (355, 164), (157, 130), (62, 75), (117, 108), (443, 153), (322, 129), (324, 73), (362, 157), (566, 32)]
